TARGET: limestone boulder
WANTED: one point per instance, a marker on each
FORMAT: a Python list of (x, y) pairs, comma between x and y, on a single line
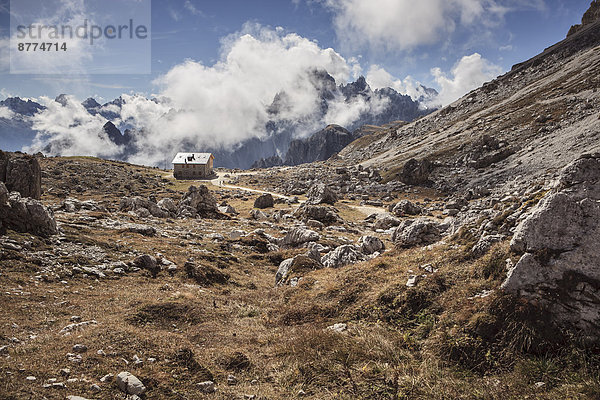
[(21, 173), (343, 255), (417, 232), (560, 245), (25, 214), (264, 201), (321, 194), (198, 202)]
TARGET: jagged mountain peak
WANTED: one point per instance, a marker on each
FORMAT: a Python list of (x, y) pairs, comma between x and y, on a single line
[(90, 102), (20, 106), (115, 135), (62, 99), (589, 17), (358, 87)]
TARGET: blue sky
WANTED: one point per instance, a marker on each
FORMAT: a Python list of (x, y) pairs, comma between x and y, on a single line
[(372, 36)]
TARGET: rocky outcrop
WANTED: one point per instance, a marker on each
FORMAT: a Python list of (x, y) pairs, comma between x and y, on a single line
[(297, 236), (167, 205), (416, 172), (321, 194), (323, 214), (560, 246), (130, 384), (198, 202), (3, 194), (146, 230), (484, 243), (416, 232), (385, 221), (370, 244), (74, 205), (264, 201), (25, 214), (343, 255), (148, 263), (487, 151), (21, 173), (142, 207), (318, 147), (591, 15), (296, 264), (406, 207)]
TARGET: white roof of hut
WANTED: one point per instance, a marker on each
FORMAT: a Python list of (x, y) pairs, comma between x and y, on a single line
[(192, 158)]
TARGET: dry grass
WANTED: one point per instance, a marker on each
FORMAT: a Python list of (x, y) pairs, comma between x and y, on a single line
[(433, 341)]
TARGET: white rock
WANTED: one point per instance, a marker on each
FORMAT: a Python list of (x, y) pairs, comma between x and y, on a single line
[(235, 235), (342, 255), (129, 384), (107, 378), (339, 327), (412, 280), (71, 327)]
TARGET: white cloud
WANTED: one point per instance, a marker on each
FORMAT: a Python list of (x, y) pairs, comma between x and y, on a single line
[(175, 15), (377, 77), (6, 112), (71, 130), (469, 73), (226, 103), (407, 24), (189, 6), (4, 94), (344, 114)]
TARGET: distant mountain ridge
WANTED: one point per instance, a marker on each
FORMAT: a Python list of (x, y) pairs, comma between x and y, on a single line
[(333, 138), (20, 106), (377, 107)]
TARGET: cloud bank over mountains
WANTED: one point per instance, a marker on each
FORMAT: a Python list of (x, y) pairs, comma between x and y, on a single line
[(222, 105)]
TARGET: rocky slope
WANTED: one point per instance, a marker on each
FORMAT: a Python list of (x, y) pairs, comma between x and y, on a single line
[(514, 132), (589, 17), (530, 135), (530, 130)]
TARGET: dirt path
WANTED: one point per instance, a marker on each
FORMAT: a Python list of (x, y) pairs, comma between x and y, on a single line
[(368, 210), (220, 182)]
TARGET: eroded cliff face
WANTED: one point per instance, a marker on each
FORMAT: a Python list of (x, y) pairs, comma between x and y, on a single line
[(591, 15), (318, 147)]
